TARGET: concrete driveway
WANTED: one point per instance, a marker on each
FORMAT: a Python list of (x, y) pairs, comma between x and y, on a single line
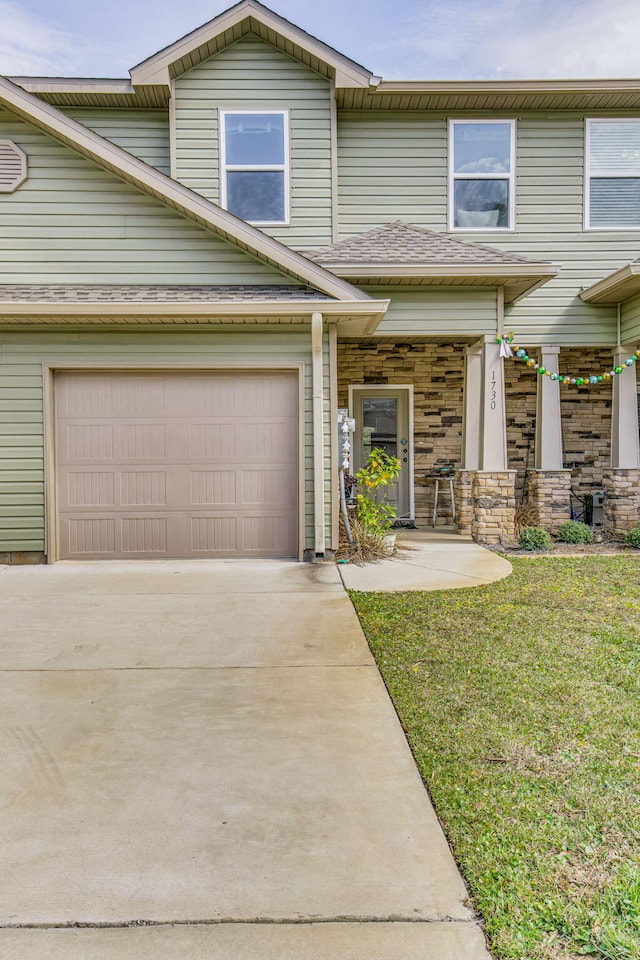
[(200, 760)]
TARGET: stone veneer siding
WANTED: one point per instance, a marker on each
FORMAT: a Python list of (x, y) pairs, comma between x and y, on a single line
[(548, 492), (621, 501), (494, 507), (436, 371), (586, 419)]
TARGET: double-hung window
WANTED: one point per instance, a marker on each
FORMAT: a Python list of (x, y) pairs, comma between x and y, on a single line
[(254, 167), (481, 174), (612, 187)]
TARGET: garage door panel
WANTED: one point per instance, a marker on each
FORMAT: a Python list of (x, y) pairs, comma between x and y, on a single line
[(216, 536), (213, 487), (185, 482), (143, 488), (90, 536), (269, 486), (146, 535), (88, 488)]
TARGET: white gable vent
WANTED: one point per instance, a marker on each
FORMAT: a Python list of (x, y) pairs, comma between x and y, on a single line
[(13, 166)]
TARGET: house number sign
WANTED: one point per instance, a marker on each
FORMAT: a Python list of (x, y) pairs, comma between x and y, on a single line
[(494, 393)]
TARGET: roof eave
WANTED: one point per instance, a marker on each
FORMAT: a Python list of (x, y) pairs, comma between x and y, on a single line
[(355, 318), (518, 280), (530, 87), (616, 287), (173, 194)]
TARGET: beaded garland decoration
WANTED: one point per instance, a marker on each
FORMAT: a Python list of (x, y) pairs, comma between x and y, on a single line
[(519, 353)]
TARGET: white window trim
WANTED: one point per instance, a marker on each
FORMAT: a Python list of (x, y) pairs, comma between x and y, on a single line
[(278, 167), (510, 177), (587, 177)]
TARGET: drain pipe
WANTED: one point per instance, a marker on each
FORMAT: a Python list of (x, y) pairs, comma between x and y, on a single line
[(318, 435)]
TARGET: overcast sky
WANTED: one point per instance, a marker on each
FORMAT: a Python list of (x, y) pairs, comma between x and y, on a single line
[(398, 39)]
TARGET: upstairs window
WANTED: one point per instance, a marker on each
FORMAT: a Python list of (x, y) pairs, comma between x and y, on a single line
[(254, 152), (612, 189), (481, 174)]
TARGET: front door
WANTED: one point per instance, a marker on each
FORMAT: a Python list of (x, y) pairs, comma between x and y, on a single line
[(383, 419)]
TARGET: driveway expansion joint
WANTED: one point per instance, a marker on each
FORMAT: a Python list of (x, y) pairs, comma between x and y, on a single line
[(214, 922)]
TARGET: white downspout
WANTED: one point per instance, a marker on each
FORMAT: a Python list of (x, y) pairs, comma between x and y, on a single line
[(318, 436)]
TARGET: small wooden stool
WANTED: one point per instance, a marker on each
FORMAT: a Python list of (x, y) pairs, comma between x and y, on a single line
[(439, 478)]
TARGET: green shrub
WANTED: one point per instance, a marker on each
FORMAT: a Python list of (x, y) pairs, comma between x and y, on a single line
[(535, 538), (632, 537), (573, 531)]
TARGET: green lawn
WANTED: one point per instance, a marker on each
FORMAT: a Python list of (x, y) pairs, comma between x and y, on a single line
[(521, 702)]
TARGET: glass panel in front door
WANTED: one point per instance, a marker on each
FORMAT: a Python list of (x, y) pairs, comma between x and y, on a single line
[(379, 425), (382, 420)]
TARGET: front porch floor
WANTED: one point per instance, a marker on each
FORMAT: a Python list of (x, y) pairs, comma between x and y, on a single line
[(428, 559)]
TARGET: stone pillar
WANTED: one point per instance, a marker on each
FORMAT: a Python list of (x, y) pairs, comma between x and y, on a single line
[(548, 422), (622, 481), (494, 506), (549, 493), (621, 501), (485, 488), (463, 492)]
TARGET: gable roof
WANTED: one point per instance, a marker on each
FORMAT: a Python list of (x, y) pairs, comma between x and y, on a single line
[(249, 16), (172, 194), (401, 252)]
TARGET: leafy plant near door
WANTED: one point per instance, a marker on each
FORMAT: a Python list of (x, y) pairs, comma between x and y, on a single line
[(374, 514)]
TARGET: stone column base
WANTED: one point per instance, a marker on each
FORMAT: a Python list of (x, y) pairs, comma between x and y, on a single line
[(549, 493), (621, 501), (463, 492), (494, 505)]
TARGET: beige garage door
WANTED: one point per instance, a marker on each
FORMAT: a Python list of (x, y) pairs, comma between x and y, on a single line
[(177, 465)]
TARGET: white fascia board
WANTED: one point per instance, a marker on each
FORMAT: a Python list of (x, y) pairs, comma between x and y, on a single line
[(616, 287), (156, 69), (172, 194), (72, 85), (483, 271), (509, 86), (219, 308)]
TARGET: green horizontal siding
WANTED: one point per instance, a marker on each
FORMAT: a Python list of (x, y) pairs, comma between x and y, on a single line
[(144, 133), (22, 427), (435, 311), (630, 320), (72, 222), (393, 165), (248, 75)]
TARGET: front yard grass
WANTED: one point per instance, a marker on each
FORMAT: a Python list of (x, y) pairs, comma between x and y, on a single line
[(521, 702)]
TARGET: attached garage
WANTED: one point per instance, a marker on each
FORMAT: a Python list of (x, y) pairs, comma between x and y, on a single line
[(176, 464)]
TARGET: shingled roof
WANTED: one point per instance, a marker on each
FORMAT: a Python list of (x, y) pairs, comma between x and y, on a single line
[(130, 293), (406, 243), (401, 253)]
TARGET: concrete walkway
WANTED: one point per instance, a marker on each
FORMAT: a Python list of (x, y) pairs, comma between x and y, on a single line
[(200, 760), (428, 560)]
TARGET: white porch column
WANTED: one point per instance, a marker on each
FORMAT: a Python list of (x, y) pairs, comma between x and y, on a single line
[(493, 422), (472, 407), (318, 435), (625, 448), (548, 422)]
